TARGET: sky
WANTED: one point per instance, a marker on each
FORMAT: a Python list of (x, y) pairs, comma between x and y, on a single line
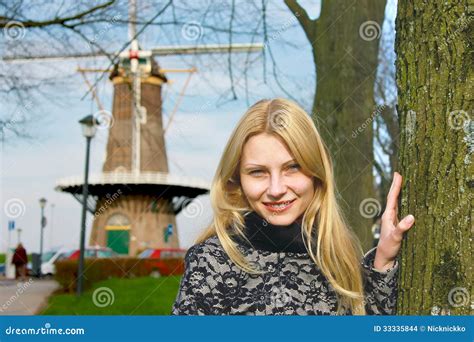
[(31, 168)]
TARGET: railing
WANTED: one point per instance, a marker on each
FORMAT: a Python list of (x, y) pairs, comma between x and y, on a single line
[(135, 178)]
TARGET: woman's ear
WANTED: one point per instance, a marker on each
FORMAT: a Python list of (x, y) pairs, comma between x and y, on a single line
[(235, 179), (317, 183)]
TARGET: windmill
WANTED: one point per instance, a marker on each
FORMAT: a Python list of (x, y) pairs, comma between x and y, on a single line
[(135, 199)]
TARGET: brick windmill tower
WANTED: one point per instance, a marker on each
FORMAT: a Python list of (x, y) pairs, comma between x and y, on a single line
[(135, 193), (135, 200)]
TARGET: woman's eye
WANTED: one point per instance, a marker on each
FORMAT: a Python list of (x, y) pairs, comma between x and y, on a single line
[(256, 172), (294, 167)]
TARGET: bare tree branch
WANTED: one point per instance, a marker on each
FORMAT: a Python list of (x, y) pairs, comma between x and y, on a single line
[(229, 58), (56, 21), (309, 26)]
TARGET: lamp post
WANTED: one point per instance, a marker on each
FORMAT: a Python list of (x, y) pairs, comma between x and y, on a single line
[(18, 231), (51, 223), (88, 124), (42, 203)]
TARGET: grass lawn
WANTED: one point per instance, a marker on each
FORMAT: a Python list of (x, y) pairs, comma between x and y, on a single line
[(139, 296), (3, 256)]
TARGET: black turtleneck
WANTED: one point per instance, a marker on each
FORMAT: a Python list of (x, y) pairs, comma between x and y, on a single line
[(290, 284), (273, 238)]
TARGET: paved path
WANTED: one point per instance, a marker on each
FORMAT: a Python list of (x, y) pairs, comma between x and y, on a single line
[(24, 298)]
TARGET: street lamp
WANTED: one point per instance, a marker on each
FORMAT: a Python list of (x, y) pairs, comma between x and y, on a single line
[(51, 219), (42, 203), (18, 231), (89, 129)]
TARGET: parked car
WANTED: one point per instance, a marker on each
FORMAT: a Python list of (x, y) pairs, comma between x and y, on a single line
[(94, 252), (169, 261), (50, 257)]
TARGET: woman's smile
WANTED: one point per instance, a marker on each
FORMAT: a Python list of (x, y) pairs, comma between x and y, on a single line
[(280, 206)]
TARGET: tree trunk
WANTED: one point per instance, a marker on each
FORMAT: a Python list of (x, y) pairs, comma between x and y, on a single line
[(434, 64), (345, 46)]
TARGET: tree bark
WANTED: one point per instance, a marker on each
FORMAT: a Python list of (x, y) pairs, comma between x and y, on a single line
[(434, 64), (345, 46)]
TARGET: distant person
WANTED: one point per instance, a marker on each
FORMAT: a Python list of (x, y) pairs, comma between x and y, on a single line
[(20, 259)]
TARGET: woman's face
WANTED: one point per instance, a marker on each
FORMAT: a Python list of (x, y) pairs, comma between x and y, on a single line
[(272, 180)]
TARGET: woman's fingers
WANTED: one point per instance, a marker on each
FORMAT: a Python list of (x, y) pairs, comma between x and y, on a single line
[(405, 224), (393, 229), (392, 197)]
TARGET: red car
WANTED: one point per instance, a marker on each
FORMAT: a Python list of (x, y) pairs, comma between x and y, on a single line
[(169, 261), (93, 252)]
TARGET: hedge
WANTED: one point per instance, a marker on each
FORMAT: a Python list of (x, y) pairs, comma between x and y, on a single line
[(105, 268)]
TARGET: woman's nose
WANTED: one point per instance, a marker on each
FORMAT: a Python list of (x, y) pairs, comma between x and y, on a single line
[(277, 187)]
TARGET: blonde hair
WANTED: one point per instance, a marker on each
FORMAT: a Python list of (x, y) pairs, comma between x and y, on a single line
[(337, 251)]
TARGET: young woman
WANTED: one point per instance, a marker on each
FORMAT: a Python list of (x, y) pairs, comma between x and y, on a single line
[(278, 243)]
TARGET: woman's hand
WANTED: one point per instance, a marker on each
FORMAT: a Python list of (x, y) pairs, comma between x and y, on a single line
[(391, 231)]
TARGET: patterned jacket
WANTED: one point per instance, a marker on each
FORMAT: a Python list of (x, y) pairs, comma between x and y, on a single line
[(291, 283)]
